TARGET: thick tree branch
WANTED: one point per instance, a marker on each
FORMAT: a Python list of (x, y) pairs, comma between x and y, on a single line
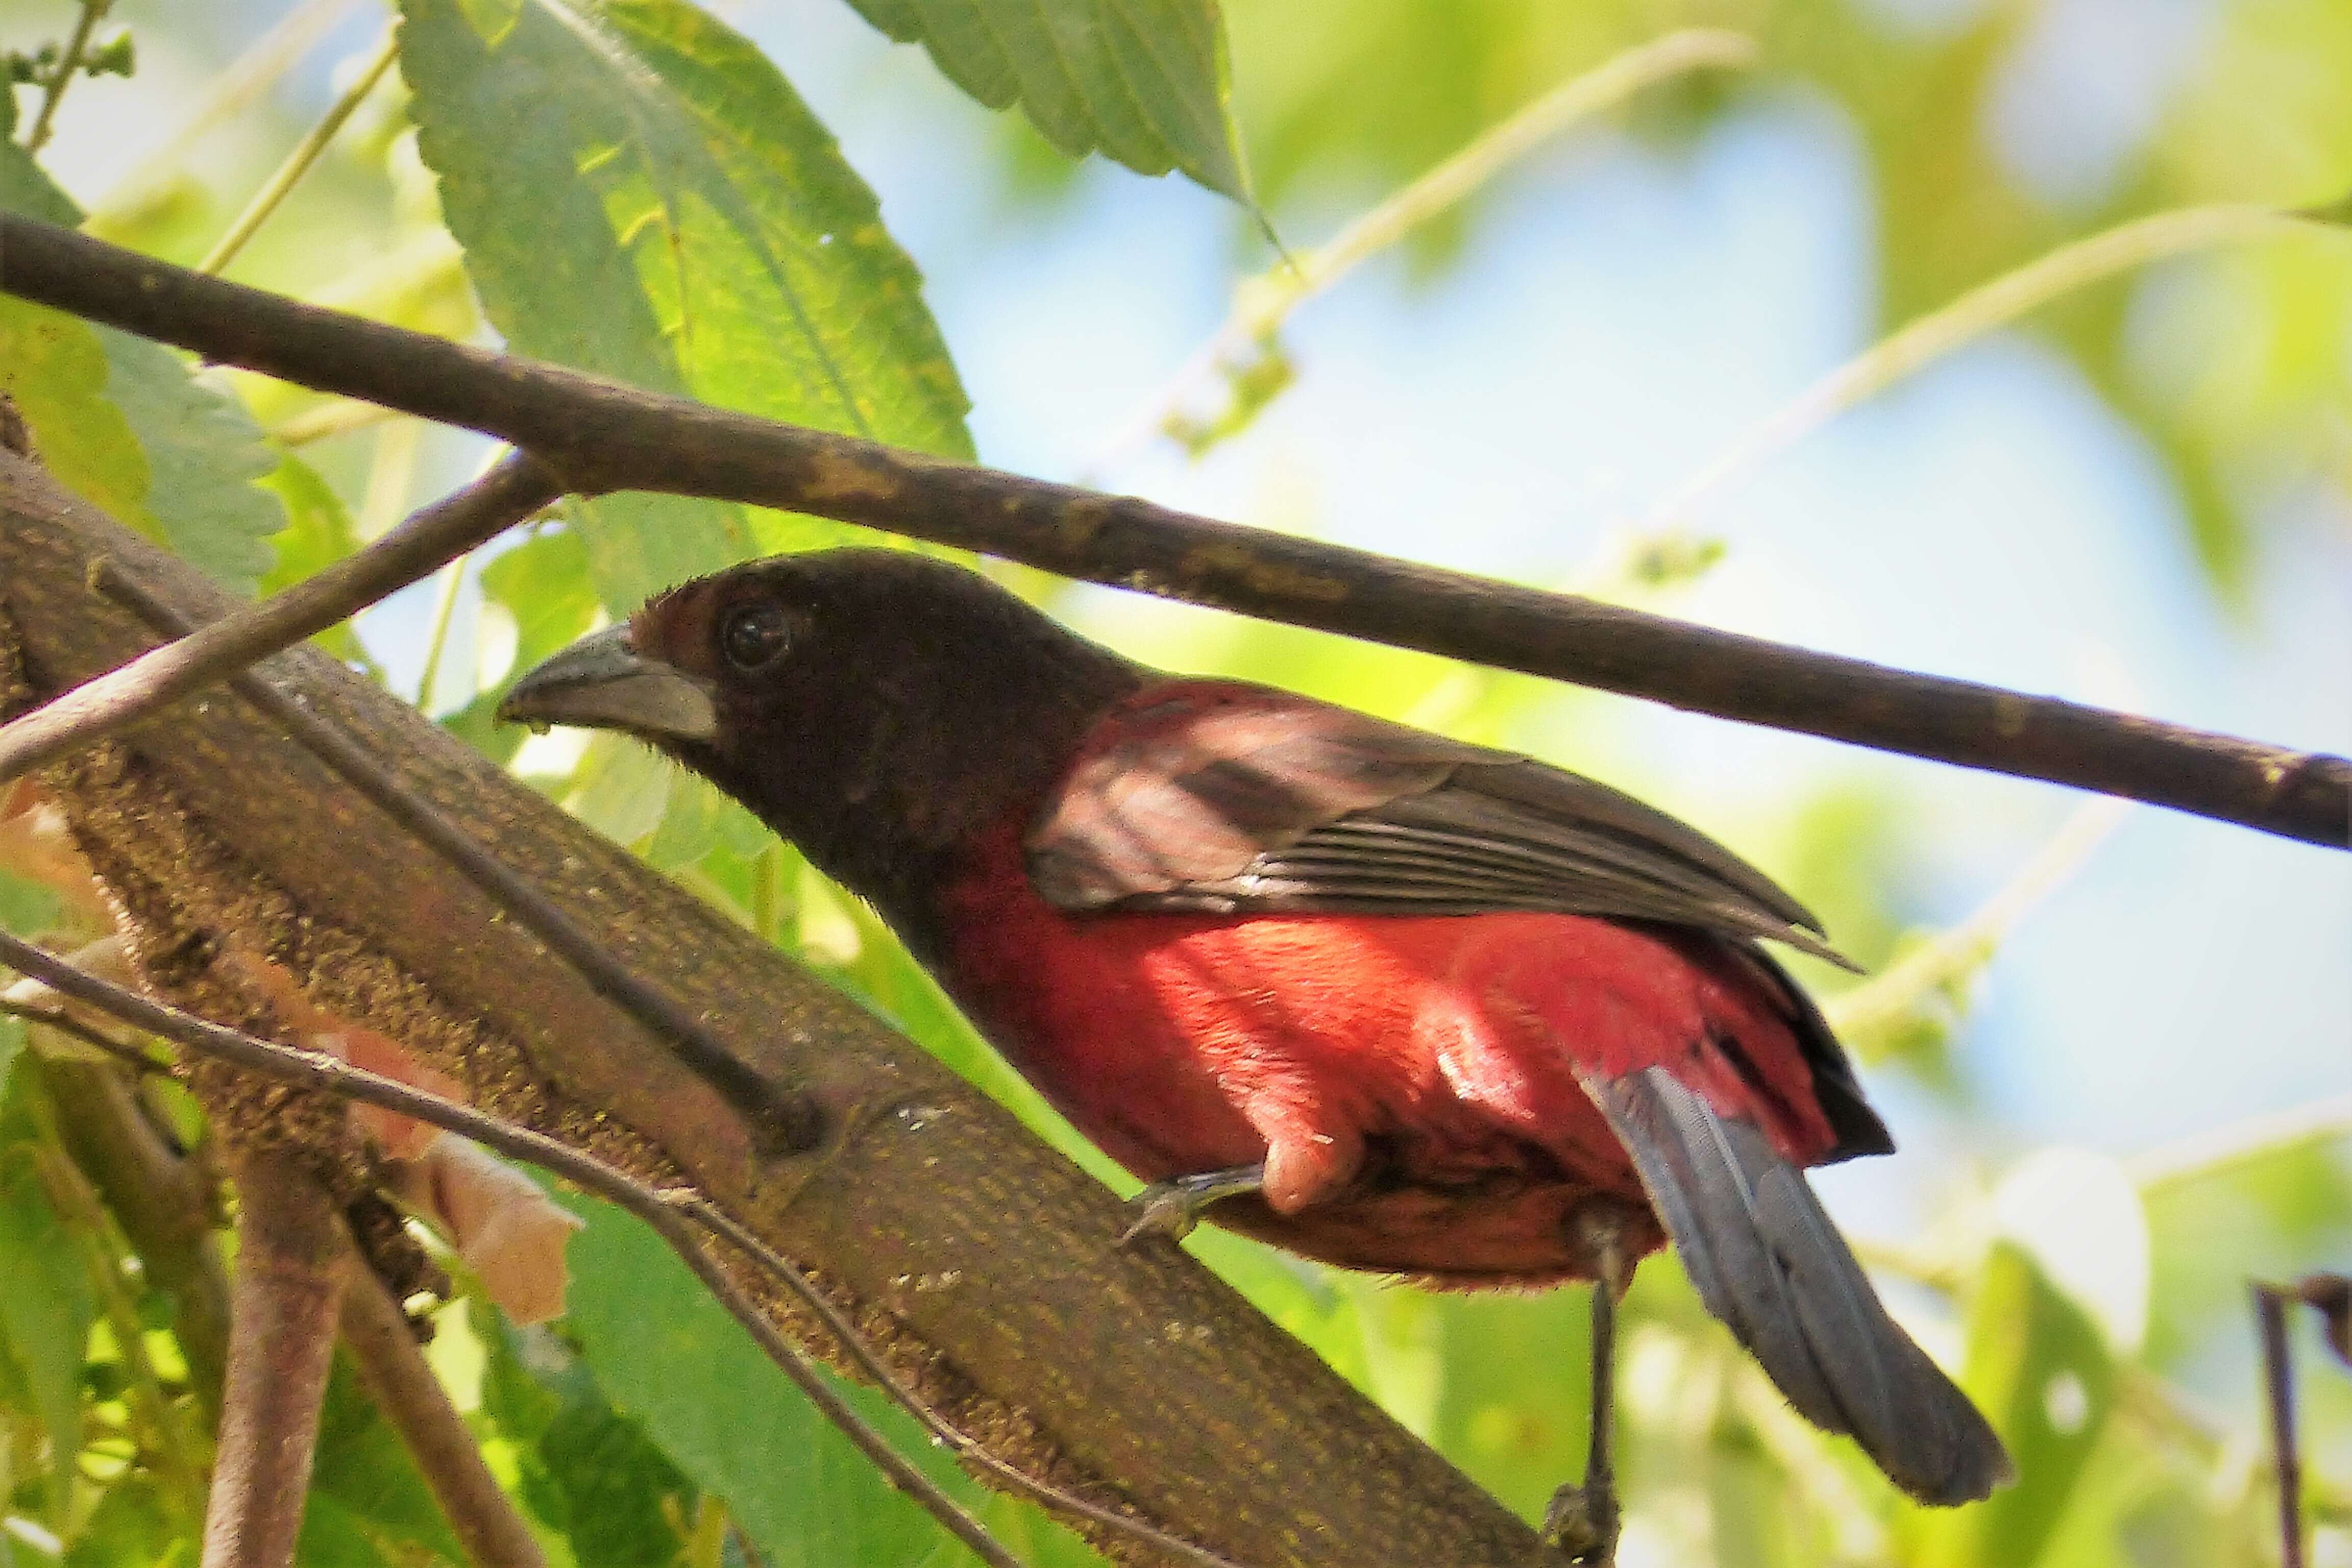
[(393, 1367), (512, 490), (668, 1213), (602, 436), (981, 1267), (290, 1261)]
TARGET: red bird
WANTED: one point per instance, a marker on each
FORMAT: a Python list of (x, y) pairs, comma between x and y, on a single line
[(1383, 998)]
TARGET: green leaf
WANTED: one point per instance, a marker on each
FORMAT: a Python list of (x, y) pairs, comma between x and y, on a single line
[(204, 454), (125, 423), (131, 1527), (587, 1470), (27, 905), (666, 1353), (536, 597), (1516, 1395), (45, 1293), (542, 584), (56, 370), (2040, 1370), (365, 1491), (1142, 81), (621, 788), (640, 194), (332, 1536), (23, 188), (318, 532)]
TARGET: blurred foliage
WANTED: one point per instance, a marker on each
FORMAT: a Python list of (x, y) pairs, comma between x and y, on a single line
[(2232, 366), (644, 194)]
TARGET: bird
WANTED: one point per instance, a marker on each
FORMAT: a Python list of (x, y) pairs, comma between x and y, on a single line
[(1388, 1000)]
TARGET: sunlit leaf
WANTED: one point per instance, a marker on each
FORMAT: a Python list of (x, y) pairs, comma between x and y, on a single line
[(125, 422), (667, 1353), (2081, 1220), (587, 1470), (131, 1527), (641, 194), (2272, 1216), (1142, 81), (1515, 1399), (364, 1488), (536, 597), (46, 1305), (2039, 1368), (332, 1536)]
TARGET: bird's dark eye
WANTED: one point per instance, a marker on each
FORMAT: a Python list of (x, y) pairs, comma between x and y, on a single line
[(756, 636)]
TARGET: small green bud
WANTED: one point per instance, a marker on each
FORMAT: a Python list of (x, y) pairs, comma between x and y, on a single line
[(116, 57)]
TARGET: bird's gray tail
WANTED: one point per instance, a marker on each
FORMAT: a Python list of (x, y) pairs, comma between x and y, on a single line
[(1766, 1261)]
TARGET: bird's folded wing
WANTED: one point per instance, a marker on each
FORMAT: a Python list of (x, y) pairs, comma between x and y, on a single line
[(1226, 799)]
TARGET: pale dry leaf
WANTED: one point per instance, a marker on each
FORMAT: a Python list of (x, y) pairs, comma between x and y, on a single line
[(505, 1228)]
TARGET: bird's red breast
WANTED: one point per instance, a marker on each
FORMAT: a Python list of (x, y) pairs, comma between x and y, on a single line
[(1412, 1081)]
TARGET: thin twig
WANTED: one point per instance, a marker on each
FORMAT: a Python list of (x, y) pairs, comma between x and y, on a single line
[(1890, 996), (315, 1069), (291, 1259), (225, 96), (600, 436), (318, 1070), (436, 634), (2004, 299), (66, 1024), (69, 62), (393, 1367), (2278, 1381), (512, 491), (336, 418), (1262, 304), (299, 162), (2223, 1149)]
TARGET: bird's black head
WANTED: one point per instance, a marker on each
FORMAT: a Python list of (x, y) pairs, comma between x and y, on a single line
[(876, 707)]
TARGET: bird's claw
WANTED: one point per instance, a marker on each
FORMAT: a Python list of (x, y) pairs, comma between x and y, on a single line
[(1162, 1209), (1171, 1208), (1583, 1522)]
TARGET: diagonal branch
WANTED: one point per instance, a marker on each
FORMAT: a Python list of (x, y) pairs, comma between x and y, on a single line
[(397, 1376), (599, 435), (668, 1213)]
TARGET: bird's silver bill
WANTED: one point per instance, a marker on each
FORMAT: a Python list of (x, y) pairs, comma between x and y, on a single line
[(601, 683)]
